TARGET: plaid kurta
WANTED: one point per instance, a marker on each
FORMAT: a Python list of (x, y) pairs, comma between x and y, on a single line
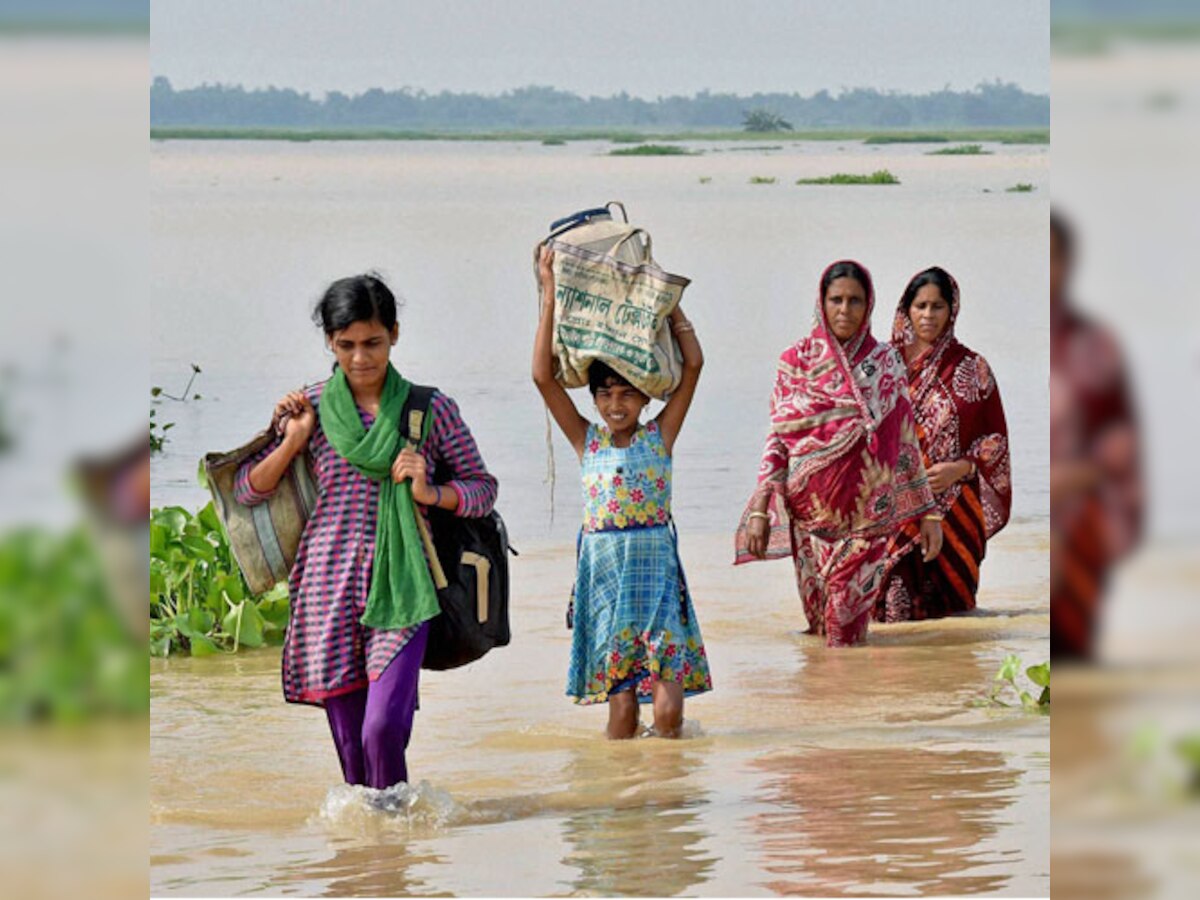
[(327, 650)]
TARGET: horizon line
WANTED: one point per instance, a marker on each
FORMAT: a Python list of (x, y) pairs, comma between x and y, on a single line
[(321, 94)]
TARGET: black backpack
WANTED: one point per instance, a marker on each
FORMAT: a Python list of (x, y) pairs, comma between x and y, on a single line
[(474, 557)]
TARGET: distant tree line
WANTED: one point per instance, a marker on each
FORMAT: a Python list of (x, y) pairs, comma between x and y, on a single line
[(990, 104)]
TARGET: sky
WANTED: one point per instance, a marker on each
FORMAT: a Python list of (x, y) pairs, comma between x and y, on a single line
[(647, 48)]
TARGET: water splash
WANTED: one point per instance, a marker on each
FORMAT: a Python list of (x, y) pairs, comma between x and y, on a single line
[(421, 807), (689, 730)]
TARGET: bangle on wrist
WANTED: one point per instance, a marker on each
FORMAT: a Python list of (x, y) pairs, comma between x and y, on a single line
[(758, 515), (438, 489), (933, 517)]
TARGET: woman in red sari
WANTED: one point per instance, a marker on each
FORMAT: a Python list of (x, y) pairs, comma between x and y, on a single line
[(964, 440), (1096, 490), (842, 467)]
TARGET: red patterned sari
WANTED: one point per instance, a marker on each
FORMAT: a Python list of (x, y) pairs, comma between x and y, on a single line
[(842, 468), (959, 416), (1094, 523)]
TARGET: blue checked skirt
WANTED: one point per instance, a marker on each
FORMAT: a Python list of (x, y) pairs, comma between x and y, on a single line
[(633, 621)]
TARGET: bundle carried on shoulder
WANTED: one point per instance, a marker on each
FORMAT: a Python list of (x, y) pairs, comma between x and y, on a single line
[(611, 302)]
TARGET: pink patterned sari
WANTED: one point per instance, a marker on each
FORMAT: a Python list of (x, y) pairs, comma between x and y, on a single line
[(842, 467)]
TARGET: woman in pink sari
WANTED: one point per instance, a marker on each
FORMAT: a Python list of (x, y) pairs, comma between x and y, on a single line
[(842, 468)]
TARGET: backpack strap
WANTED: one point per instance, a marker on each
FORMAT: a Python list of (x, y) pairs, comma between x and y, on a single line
[(415, 420), (415, 423)]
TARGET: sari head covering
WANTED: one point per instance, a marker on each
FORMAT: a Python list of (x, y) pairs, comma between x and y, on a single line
[(958, 410), (842, 458)]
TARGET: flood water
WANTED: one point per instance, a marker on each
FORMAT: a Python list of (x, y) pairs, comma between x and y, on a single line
[(806, 771)]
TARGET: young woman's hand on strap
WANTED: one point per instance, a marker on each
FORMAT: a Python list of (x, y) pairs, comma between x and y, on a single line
[(295, 419), (410, 466)]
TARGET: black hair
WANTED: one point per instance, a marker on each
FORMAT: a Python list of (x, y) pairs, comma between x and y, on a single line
[(933, 275), (846, 269), (602, 375), (359, 298), (1063, 232)]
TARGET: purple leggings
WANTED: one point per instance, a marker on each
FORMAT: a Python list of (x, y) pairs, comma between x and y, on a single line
[(371, 726)]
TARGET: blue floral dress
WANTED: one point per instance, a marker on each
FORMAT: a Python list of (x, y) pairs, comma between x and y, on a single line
[(632, 614)]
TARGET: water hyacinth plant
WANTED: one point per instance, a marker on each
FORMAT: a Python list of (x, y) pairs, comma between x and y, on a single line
[(199, 602), (880, 176), (67, 654), (960, 150), (1005, 683), (653, 150), (158, 430)]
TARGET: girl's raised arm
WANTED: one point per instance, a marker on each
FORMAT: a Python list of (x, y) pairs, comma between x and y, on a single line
[(558, 401), (670, 420)]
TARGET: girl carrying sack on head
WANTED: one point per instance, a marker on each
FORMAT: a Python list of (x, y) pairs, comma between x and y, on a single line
[(635, 635)]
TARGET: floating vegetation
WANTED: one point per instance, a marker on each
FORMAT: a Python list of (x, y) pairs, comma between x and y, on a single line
[(1022, 188), (158, 431), (908, 138), (182, 397), (68, 654), (654, 150), (761, 179), (960, 150), (1000, 136), (199, 602), (1004, 684), (554, 142), (705, 179), (880, 176), (764, 147)]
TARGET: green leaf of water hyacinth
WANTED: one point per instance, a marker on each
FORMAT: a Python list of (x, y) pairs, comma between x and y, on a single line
[(231, 584), (202, 646), (245, 624), (196, 622), (1039, 675), (200, 547), (158, 539), (195, 585), (172, 518), (208, 519), (1009, 667), (275, 612), (1005, 682)]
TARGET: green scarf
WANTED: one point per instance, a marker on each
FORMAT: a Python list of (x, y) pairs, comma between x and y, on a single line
[(402, 592)]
